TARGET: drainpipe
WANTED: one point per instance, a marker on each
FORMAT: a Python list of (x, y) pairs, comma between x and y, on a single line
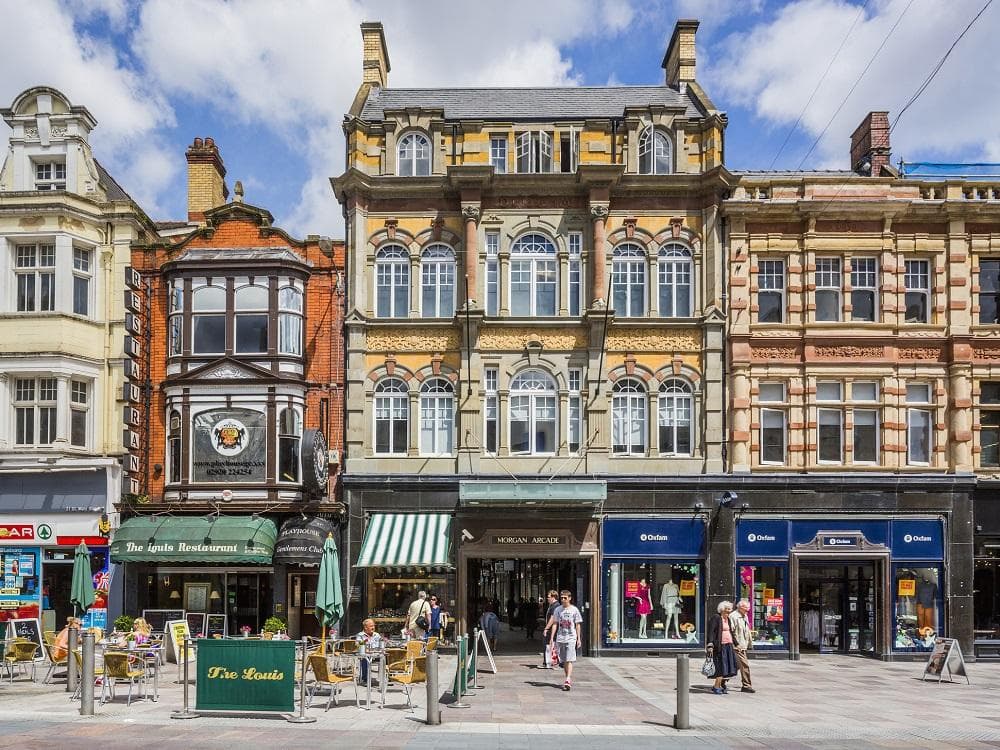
[(724, 299)]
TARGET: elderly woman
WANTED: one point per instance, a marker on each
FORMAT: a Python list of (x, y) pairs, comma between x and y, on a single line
[(719, 647)]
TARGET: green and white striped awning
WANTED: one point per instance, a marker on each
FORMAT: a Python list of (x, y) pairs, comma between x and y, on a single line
[(407, 539)]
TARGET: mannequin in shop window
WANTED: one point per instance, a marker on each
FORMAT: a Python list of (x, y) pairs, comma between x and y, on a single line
[(644, 608), (926, 602), (670, 600)]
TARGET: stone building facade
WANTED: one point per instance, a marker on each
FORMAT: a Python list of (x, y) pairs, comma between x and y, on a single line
[(534, 345)]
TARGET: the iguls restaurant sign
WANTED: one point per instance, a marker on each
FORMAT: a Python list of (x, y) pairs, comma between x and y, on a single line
[(133, 436)]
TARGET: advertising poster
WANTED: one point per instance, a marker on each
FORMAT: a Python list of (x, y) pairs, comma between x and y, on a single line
[(19, 589), (907, 587), (775, 609), (688, 587), (230, 445), (27, 563), (631, 588)]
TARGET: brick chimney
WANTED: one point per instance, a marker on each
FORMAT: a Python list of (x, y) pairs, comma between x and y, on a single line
[(375, 60), (206, 179), (679, 60), (870, 146)]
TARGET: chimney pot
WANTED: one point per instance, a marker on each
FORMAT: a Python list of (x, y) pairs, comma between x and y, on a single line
[(197, 143), (206, 179), (870, 151)]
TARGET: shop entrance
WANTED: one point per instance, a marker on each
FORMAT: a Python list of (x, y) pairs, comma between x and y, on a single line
[(516, 588), (839, 607)]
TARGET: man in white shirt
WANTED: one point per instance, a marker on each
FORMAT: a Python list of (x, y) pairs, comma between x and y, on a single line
[(565, 628), (739, 624)]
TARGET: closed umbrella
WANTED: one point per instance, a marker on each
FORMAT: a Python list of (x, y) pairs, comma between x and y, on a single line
[(329, 594), (81, 593)]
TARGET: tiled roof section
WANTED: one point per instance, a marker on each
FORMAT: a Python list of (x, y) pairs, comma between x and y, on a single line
[(110, 186), (570, 102), (241, 255), (171, 224)]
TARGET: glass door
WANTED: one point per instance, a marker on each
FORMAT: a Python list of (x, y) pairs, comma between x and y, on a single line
[(861, 609), (832, 616)]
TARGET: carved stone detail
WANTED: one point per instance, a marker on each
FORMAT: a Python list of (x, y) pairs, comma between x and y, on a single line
[(470, 213), (412, 341), (643, 340), (986, 354), (31, 134), (764, 353), (516, 339), (599, 212), (923, 352), (57, 131), (228, 372), (850, 352)]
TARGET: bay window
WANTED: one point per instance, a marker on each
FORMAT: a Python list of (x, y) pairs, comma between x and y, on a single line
[(290, 319), (82, 261), (208, 321), (251, 306), (35, 274), (289, 440)]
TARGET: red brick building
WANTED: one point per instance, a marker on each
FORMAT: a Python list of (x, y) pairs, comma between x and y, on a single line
[(240, 427)]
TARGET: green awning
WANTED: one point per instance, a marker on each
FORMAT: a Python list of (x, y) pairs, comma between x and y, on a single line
[(202, 539), (407, 539)]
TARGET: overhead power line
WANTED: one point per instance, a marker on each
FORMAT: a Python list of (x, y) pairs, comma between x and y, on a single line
[(826, 127), (819, 83)]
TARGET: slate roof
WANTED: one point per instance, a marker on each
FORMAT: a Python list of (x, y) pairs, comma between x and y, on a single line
[(241, 254), (112, 189), (568, 102)]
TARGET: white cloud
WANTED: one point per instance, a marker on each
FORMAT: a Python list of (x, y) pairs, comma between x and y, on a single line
[(773, 67)]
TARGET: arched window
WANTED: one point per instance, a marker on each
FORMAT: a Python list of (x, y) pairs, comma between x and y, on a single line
[(250, 302), (414, 155), (208, 324), (392, 282), (674, 281), (533, 414), (174, 446), (437, 417), (654, 152), (290, 319), (674, 418), (628, 281), (289, 437), (392, 416), (437, 282), (628, 418), (533, 277)]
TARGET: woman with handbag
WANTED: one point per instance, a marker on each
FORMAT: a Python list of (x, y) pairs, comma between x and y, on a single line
[(719, 649)]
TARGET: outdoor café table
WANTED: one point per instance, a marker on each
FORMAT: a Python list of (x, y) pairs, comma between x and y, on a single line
[(375, 659), (149, 655)]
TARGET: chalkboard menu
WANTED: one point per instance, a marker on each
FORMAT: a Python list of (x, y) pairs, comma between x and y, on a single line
[(157, 618), (215, 625), (196, 623), (29, 630)]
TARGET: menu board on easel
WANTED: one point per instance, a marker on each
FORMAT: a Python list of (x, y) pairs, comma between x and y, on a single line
[(158, 618), (947, 655), (174, 635), (29, 630), (196, 623)]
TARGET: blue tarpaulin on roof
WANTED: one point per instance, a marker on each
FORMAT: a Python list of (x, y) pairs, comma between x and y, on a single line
[(951, 171)]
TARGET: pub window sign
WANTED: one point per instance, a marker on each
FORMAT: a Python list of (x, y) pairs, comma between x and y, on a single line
[(230, 445)]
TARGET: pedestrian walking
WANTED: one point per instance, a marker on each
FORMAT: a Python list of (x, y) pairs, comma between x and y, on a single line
[(742, 642), (489, 623), (529, 617), (418, 617), (565, 628), (552, 602), (438, 619), (719, 647)]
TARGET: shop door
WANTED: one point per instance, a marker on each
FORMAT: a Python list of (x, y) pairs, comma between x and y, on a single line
[(838, 608), (249, 601), (57, 583)]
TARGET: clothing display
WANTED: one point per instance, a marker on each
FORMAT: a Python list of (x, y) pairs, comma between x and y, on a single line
[(645, 606), (670, 600), (926, 593), (809, 626)]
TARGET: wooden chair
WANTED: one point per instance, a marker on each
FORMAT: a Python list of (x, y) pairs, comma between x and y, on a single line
[(415, 674), (53, 661), (116, 667), (21, 652), (322, 676)]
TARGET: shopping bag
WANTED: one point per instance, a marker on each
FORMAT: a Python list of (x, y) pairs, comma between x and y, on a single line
[(554, 656), (708, 668)]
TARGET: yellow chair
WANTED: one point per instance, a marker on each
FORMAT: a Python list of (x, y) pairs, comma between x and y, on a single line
[(98, 672), (53, 662), (322, 676), (399, 659), (415, 674), (432, 644), (20, 653), (116, 667), (49, 636)]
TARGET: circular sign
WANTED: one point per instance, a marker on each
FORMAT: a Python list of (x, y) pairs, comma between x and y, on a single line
[(227, 495), (315, 469), (229, 437), (44, 531)]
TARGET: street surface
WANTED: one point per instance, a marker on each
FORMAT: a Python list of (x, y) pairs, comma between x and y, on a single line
[(819, 702)]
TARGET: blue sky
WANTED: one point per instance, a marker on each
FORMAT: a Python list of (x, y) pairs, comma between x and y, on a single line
[(270, 81)]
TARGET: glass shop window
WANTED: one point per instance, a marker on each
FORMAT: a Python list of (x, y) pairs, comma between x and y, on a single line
[(764, 586), (917, 607), (653, 603)]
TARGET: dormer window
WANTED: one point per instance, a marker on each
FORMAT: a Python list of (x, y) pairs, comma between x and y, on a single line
[(50, 175), (414, 155), (534, 152), (654, 152)]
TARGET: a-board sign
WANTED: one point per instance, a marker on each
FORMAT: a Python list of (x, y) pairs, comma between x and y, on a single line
[(157, 618), (946, 655), (29, 630), (243, 675), (215, 625), (196, 624), (173, 638)]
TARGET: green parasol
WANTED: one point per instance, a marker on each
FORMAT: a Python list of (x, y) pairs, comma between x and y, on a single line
[(81, 594), (329, 594)]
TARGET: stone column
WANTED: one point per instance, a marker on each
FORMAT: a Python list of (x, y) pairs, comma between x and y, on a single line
[(470, 213), (599, 213)]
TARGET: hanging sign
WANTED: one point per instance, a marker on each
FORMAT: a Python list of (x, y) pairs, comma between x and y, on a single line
[(947, 655), (230, 445)]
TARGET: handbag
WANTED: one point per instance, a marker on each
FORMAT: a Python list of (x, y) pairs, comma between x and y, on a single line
[(708, 668), (421, 621)]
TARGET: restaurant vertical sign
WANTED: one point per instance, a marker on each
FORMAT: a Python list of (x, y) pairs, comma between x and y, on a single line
[(136, 350)]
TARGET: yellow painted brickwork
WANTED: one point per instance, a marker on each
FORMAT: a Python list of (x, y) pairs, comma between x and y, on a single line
[(205, 187)]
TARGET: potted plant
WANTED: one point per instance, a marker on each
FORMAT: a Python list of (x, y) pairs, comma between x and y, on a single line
[(274, 625), (123, 623), (245, 630)]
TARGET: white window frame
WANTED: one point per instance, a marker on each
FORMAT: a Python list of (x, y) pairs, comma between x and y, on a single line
[(865, 405), (917, 280), (35, 262), (628, 272), (392, 272), (492, 273), (41, 401), (830, 281), (533, 151), (988, 404), (767, 275), (865, 280), (413, 155), (80, 397), (198, 286), (784, 436), (655, 145), (293, 438), (629, 409), (575, 243), (491, 410), (764, 397), (574, 416), (498, 153), (393, 398), (839, 415), (175, 319), (436, 428), (50, 174), (674, 271), (175, 442), (922, 404), (534, 249), (675, 411), (83, 273), (437, 277), (539, 391), (257, 309)]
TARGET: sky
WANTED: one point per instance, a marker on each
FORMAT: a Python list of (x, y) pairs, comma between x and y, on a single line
[(271, 81)]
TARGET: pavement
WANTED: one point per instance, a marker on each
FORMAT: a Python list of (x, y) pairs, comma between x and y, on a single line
[(819, 702)]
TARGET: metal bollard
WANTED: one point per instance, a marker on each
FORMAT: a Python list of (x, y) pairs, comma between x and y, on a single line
[(71, 676), (87, 686), (433, 694), (682, 719), (186, 712), (302, 718)]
